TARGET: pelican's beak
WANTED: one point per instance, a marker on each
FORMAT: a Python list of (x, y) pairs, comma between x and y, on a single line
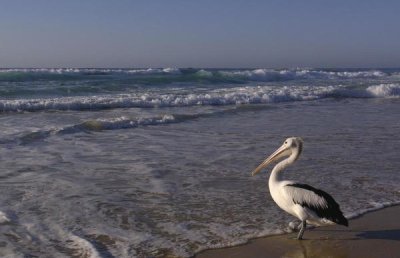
[(279, 153)]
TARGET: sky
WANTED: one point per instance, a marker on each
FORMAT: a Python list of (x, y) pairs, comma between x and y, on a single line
[(202, 33)]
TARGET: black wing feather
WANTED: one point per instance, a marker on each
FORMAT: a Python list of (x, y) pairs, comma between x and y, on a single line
[(331, 211)]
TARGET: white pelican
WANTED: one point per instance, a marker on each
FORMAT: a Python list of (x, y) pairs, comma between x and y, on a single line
[(300, 200)]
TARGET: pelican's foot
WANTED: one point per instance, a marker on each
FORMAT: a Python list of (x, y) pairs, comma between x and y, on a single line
[(294, 226)]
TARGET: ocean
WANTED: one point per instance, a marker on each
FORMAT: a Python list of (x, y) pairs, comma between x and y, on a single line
[(157, 162)]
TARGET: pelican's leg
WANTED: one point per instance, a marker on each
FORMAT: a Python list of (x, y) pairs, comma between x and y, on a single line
[(303, 228)]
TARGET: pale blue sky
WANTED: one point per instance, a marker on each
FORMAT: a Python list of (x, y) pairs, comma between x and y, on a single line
[(212, 33)]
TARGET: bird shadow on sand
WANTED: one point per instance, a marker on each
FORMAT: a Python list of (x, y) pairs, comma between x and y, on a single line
[(330, 247), (390, 234)]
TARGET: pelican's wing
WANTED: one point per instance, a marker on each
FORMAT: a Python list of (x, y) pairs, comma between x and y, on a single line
[(316, 200)]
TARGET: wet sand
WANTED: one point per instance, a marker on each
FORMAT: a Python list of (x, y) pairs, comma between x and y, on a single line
[(375, 234)]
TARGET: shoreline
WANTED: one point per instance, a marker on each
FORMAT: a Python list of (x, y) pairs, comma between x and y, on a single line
[(372, 234)]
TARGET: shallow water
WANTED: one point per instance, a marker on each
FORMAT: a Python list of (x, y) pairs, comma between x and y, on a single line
[(170, 174)]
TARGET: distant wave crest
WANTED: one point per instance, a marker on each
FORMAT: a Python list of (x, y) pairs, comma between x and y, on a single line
[(278, 75), (189, 74), (87, 70)]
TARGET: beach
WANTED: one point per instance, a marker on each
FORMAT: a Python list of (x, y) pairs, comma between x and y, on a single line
[(199, 129), (157, 162), (375, 234)]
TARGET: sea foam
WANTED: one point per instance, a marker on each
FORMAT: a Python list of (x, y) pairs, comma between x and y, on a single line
[(82, 247), (224, 96), (215, 75), (93, 126), (3, 217), (384, 90), (277, 75)]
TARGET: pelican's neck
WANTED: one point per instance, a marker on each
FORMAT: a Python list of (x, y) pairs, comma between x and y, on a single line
[(276, 176)]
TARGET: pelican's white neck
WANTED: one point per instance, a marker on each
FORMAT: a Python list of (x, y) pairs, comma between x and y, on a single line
[(276, 176)]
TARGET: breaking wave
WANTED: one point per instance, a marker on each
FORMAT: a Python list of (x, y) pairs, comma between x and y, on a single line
[(225, 96), (189, 74), (97, 125), (87, 71), (117, 123), (80, 247), (279, 75)]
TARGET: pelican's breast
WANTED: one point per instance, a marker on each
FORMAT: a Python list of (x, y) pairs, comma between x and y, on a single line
[(280, 196)]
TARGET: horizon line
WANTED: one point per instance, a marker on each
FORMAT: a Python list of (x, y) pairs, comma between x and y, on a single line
[(199, 67)]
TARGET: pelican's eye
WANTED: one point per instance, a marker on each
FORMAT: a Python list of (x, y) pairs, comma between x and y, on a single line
[(285, 142)]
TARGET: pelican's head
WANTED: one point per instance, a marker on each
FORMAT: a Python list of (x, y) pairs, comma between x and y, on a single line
[(292, 145)]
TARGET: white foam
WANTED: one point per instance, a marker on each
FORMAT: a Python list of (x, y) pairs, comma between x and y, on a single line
[(125, 122), (228, 241), (384, 90), (373, 206), (44, 70), (224, 96), (82, 247), (276, 75), (3, 217), (168, 70), (171, 70), (256, 74), (204, 73)]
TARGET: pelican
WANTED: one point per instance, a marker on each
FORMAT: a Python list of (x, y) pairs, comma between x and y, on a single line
[(303, 201)]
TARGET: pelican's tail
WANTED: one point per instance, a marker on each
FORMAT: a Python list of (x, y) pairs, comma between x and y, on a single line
[(341, 220)]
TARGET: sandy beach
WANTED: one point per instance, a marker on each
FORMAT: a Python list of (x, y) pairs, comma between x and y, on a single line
[(375, 234)]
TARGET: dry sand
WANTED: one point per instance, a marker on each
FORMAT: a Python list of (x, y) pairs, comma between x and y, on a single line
[(375, 234)]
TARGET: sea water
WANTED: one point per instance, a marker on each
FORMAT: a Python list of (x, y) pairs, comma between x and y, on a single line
[(157, 162)]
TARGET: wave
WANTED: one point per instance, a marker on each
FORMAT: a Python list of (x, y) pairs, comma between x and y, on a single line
[(374, 91), (80, 247), (225, 96), (189, 74), (77, 74), (87, 70), (384, 90), (4, 218), (117, 123), (97, 125), (280, 75)]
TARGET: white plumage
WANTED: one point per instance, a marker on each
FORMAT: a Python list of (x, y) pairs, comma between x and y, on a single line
[(300, 200)]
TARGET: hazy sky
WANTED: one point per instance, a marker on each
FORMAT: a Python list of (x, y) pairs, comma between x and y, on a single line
[(186, 33)]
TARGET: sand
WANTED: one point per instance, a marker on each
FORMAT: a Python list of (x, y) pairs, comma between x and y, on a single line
[(375, 234)]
